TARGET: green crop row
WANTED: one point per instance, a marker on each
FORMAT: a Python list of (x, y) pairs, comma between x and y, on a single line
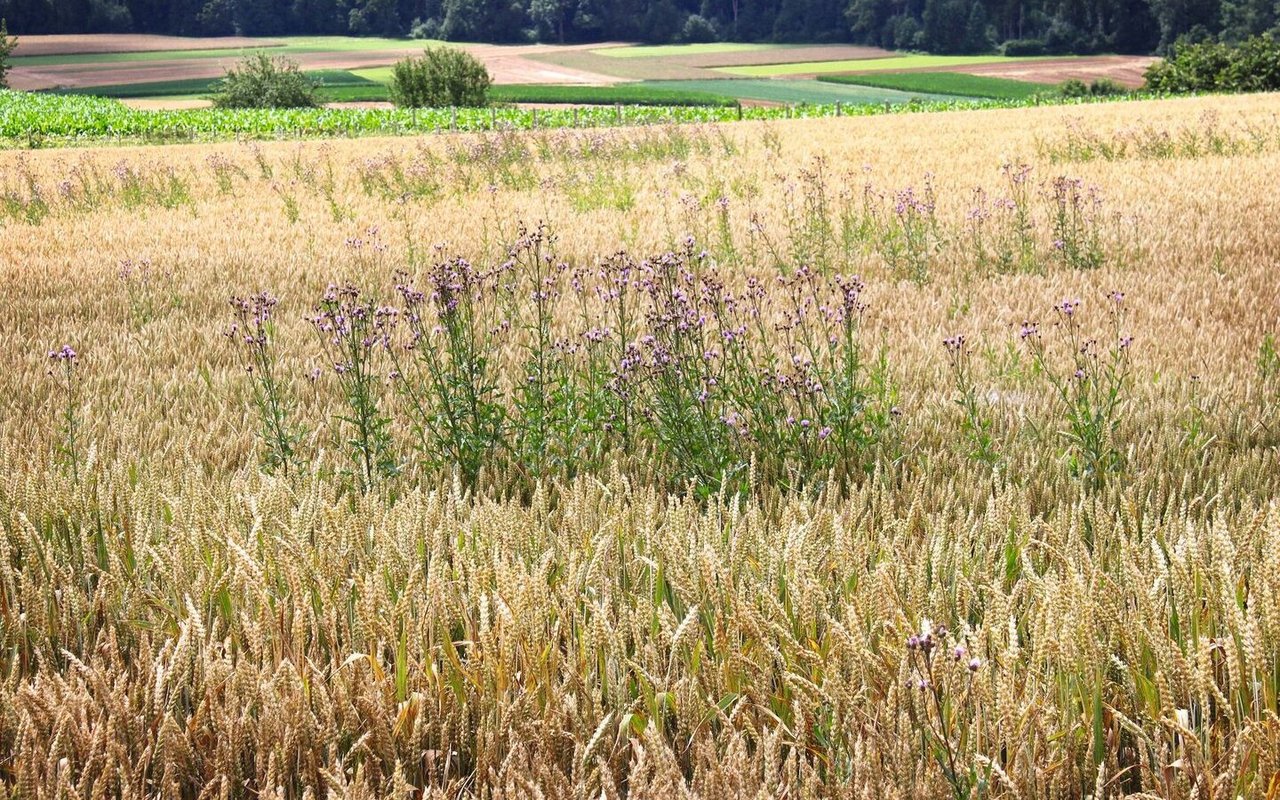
[(32, 120)]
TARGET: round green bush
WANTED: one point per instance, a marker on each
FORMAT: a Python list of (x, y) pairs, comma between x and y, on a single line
[(442, 76), (261, 81)]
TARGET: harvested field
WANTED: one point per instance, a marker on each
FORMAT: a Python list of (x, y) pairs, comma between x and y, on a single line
[(1124, 70), (68, 44), (507, 64), (630, 69)]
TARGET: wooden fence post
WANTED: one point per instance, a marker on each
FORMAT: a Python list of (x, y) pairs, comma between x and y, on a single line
[(837, 108)]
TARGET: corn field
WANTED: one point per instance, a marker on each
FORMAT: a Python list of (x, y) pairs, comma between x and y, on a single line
[(901, 456)]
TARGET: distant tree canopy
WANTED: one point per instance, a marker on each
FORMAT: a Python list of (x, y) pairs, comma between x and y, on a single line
[(7, 44), (942, 26)]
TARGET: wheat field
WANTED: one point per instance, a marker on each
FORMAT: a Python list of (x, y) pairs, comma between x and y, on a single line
[(1015, 536)]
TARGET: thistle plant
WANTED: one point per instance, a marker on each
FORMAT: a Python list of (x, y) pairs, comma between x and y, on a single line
[(444, 370), (843, 401), (909, 238), (224, 172), (1092, 389), (1020, 224), (253, 331), (354, 334), (545, 412), (941, 702), (1076, 221), (977, 425), (141, 281), (680, 371), (63, 368)]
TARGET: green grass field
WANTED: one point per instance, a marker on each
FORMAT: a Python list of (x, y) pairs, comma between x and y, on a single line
[(895, 64), (956, 84)]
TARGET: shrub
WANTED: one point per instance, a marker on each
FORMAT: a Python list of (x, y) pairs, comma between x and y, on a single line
[(261, 81), (1105, 86), (6, 47), (443, 76), (1073, 87), (698, 29), (1024, 47), (1252, 66)]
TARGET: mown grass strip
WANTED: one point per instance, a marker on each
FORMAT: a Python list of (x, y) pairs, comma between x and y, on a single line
[(893, 64), (952, 83), (627, 94), (669, 50), (799, 91)]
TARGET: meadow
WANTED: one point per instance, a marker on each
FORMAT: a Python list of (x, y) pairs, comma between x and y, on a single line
[(899, 456)]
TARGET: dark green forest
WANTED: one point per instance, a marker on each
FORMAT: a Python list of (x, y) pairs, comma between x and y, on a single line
[(1020, 27)]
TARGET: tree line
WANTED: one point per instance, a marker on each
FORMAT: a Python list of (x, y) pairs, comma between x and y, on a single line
[(1019, 27)]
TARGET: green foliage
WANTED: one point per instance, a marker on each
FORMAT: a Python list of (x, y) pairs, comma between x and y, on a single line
[(1102, 87), (1106, 86), (443, 76), (1092, 382), (698, 30), (1252, 66), (7, 43), (253, 333), (953, 83), (1073, 87), (29, 119), (261, 81), (1025, 47)]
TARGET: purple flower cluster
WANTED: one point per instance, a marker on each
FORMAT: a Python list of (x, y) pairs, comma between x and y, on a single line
[(64, 355), (252, 315), (352, 328)]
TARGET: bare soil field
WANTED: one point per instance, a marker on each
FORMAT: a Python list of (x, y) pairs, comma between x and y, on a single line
[(526, 64), (506, 63), (1124, 70), (71, 44)]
